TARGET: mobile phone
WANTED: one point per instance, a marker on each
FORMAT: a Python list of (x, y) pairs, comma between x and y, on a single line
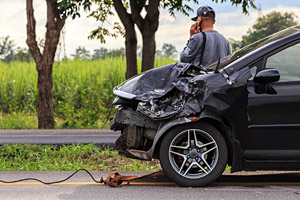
[(196, 27)]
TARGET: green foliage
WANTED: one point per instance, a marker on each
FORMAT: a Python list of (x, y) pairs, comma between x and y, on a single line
[(104, 10), (18, 121), (72, 7), (68, 158), (177, 5), (23, 55), (246, 4), (85, 95), (101, 14), (81, 53), (168, 50), (6, 49), (104, 52), (181, 6), (82, 92), (269, 24), (18, 91), (235, 44), (10, 53)]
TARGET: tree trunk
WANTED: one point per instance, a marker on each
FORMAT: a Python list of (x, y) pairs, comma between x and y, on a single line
[(45, 104), (130, 39), (131, 45), (44, 62), (148, 27), (148, 50)]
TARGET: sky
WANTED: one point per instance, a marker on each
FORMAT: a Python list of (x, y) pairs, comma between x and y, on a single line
[(230, 21)]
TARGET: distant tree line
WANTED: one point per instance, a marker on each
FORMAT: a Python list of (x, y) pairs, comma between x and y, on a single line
[(264, 26), (167, 50), (9, 52), (101, 53)]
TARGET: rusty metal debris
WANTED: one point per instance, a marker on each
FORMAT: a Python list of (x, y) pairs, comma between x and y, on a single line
[(114, 179)]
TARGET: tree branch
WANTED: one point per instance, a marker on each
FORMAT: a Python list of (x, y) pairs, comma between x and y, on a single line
[(51, 15), (123, 15), (153, 14), (152, 11), (31, 36), (136, 14), (54, 25), (61, 22)]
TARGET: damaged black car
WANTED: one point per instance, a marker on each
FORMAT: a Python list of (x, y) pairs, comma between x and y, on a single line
[(242, 111)]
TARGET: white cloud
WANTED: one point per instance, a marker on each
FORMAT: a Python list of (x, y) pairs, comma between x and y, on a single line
[(13, 20), (234, 25), (230, 24), (171, 30)]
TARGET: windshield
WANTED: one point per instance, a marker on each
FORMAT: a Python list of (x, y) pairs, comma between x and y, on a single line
[(246, 50)]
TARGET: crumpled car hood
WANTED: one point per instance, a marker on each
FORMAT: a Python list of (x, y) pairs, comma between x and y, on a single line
[(157, 82), (182, 89)]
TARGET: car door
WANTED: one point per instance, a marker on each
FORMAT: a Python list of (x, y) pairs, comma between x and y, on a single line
[(274, 119)]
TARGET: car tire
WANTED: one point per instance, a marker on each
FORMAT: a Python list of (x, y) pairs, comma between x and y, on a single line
[(190, 163)]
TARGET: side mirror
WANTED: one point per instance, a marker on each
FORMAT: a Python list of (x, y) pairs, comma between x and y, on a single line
[(267, 76)]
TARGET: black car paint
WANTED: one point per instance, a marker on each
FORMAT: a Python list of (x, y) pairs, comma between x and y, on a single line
[(260, 129), (274, 120), (224, 98)]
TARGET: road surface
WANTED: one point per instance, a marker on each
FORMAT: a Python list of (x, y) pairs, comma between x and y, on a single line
[(60, 136), (231, 187)]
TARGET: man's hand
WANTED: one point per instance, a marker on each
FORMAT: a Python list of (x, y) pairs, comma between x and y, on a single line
[(195, 28)]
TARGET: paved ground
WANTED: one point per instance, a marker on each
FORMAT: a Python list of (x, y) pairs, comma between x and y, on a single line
[(242, 185), (64, 136), (280, 186)]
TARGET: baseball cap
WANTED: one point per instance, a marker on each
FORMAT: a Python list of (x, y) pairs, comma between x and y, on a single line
[(205, 11)]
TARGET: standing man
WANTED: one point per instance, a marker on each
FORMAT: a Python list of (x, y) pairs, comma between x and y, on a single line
[(216, 46)]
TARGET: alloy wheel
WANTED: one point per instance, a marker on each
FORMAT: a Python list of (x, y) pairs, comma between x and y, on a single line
[(193, 153)]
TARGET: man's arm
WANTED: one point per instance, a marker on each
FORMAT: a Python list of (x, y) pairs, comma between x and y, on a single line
[(189, 52)]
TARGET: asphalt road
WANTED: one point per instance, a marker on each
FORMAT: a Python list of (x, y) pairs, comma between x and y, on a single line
[(62, 136), (244, 185), (278, 186)]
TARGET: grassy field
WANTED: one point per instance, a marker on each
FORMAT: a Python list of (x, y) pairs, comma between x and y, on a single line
[(82, 92), (68, 158)]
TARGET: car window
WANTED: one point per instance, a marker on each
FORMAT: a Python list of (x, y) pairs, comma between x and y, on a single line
[(287, 62), (253, 72), (255, 67)]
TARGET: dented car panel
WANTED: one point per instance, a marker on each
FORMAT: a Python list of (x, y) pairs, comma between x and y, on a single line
[(186, 95), (153, 103)]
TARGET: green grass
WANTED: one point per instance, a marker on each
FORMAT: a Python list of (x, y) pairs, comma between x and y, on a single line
[(23, 157), (18, 121), (68, 158), (82, 92)]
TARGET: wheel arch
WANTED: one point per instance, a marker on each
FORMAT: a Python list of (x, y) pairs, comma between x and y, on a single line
[(223, 126)]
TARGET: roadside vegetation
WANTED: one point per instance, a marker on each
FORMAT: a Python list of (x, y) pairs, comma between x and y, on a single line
[(82, 92), (24, 157)]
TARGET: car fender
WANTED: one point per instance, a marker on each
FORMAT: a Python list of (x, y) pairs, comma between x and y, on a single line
[(164, 129), (225, 127), (208, 116), (167, 126)]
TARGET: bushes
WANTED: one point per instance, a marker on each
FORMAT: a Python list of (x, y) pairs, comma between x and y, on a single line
[(82, 91)]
